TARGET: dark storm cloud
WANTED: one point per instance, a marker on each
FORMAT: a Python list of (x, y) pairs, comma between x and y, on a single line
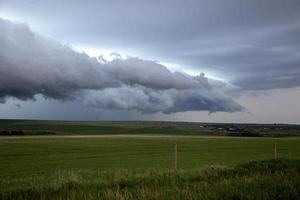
[(31, 64), (148, 100), (253, 43)]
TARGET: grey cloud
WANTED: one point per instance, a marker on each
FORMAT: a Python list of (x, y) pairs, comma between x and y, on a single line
[(147, 100), (235, 39), (266, 58), (31, 64), (150, 74)]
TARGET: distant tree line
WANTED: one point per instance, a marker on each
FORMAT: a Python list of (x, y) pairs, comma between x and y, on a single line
[(244, 133), (21, 132), (12, 133)]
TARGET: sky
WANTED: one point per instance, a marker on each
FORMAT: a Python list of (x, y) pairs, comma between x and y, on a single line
[(192, 60)]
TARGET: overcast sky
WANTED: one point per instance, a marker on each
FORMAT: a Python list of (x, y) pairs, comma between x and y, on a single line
[(192, 60)]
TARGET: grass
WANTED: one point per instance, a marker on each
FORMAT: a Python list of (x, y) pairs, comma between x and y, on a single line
[(136, 167), (105, 127), (272, 179), (44, 127), (40, 155)]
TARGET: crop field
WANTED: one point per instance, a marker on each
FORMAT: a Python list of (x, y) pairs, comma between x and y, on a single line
[(126, 165), (22, 156)]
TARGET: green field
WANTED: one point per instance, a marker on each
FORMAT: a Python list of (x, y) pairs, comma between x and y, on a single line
[(22, 156), (91, 165), (105, 127), (44, 127)]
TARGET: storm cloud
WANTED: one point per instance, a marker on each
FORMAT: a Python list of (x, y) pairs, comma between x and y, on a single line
[(31, 64), (253, 43), (147, 100)]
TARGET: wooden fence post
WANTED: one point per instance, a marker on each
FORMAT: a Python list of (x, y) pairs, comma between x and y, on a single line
[(175, 156), (274, 151)]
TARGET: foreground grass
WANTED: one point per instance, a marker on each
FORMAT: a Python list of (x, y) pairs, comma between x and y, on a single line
[(139, 168), (272, 179)]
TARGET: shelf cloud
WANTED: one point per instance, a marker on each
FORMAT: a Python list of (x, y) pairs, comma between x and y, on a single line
[(31, 64)]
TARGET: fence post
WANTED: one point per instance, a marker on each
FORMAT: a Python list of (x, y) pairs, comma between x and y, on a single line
[(274, 151), (175, 156)]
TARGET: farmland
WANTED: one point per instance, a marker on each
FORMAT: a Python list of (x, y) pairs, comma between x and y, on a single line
[(43, 127), (88, 160)]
